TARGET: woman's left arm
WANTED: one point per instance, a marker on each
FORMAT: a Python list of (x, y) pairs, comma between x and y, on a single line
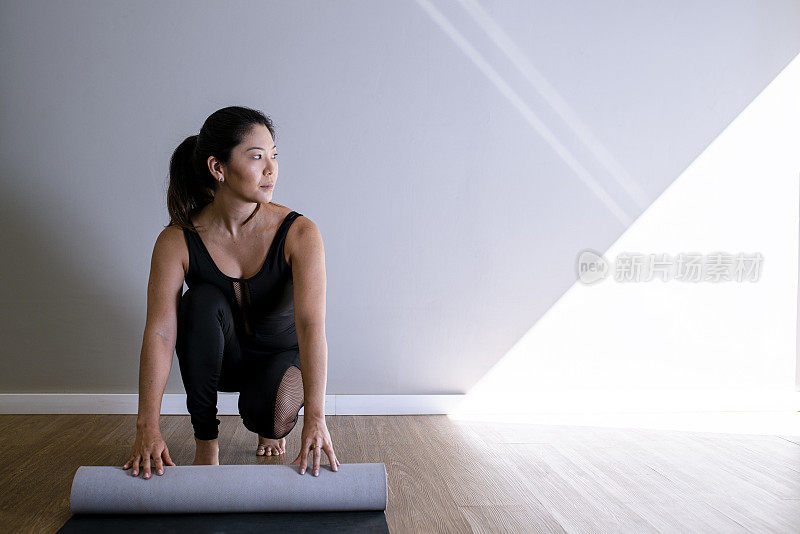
[(307, 257)]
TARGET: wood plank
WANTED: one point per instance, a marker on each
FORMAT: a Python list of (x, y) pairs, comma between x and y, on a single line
[(578, 501), (491, 519), (457, 476)]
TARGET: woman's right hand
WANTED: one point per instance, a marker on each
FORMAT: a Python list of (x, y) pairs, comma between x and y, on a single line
[(149, 442)]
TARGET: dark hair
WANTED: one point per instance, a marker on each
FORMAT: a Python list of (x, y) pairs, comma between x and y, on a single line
[(191, 184)]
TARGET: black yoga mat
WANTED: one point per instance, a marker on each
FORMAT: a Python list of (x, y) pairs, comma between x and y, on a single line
[(368, 522)]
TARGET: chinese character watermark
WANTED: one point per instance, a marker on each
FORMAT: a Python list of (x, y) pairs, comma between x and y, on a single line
[(685, 267)]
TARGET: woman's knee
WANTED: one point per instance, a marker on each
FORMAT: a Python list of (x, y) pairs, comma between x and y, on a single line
[(273, 418), (202, 297), (203, 314)]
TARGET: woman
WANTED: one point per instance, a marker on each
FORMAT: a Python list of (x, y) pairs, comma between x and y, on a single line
[(253, 318)]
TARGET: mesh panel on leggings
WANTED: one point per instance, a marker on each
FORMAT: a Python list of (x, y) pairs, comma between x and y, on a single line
[(288, 401), (242, 292)]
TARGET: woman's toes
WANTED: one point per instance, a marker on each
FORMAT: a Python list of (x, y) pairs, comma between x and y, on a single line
[(264, 450), (271, 447)]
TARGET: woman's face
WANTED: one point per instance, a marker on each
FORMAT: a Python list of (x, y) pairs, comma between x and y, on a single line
[(253, 169)]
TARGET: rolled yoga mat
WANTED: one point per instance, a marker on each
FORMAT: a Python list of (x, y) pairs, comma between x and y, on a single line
[(229, 488), (230, 499)]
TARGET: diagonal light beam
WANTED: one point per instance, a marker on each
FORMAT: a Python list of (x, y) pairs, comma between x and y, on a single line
[(527, 113), (554, 99)]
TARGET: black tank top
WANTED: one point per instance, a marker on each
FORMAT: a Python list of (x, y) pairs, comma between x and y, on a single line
[(262, 305)]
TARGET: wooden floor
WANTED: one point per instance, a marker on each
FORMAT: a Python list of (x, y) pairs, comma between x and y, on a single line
[(447, 476)]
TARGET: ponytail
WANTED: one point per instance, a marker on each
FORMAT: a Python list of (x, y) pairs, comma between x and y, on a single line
[(189, 190)]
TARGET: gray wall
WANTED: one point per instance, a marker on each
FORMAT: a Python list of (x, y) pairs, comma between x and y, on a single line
[(456, 160)]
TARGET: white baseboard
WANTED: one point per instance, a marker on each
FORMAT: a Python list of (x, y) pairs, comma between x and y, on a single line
[(227, 404), (548, 402)]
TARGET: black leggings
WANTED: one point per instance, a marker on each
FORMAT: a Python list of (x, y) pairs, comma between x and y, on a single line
[(270, 386)]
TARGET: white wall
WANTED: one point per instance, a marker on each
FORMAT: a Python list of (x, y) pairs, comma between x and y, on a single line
[(455, 159)]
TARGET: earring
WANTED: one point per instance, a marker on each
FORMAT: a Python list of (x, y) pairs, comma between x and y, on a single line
[(221, 180)]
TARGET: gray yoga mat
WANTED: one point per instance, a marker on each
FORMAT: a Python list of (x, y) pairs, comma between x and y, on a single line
[(230, 488)]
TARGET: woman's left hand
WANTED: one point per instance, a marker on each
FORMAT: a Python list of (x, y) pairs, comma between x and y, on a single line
[(315, 438)]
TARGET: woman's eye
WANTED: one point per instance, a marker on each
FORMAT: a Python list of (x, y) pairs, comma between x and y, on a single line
[(276, 154)]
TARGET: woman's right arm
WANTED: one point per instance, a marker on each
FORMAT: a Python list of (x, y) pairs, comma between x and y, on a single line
[(161, 327), (158, 342)]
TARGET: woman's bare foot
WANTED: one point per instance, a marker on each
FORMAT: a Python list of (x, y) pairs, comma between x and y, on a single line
[(270, 447), (206, 452)]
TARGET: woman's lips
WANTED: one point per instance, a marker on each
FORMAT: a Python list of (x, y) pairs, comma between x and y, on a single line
[(267, 186)]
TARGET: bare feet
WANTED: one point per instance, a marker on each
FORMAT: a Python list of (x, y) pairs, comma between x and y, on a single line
[(207, 452), (270, 447)]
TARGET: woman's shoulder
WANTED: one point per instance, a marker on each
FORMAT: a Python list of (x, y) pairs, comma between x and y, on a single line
[(301, 221), (173, 234), (279, 209), (303, 233), (173, 239)]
